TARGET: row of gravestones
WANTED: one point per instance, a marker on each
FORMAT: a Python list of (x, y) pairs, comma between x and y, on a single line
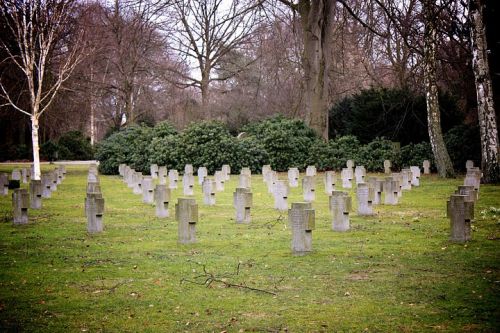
[(426, 165), (94, 202), (31, 198), (460, 207), (340, 202)]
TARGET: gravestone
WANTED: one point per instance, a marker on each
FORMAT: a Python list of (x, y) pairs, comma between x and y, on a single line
[(154, 171), (246, 171), (53, 179), (272, 177), (364, 199), (311, 171), (473, 178), (93, 176), (93, 187), (36, 194), (346, 175), (281, 195), (129, 177), (46, 184), (387, 166), (391, 188), (350, 164), (226, 171), (378, 187), (16, 174), (138, 183), (188, 168), (162, 175), (94, 204), (406, 179), (188, 184), (4, 184), (186, 214), (309, 188), (25, 175), (398, 178), (330, 179), (62, 167), (59, 175), (468, 191), (219, 181), (461, 212), (162, 199), (293, 177), (121, 169), (208, 188), (173, 178), (265, 170), (244, 181), (415, 175), (147, 189), (301, 218), (469, 164), (359, 174), (242, 201), (20, 203), (202, 173), (340, 205), (427, 167)]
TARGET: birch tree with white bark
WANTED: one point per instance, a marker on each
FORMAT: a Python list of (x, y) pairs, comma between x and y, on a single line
[(484, 90), (37, 27)]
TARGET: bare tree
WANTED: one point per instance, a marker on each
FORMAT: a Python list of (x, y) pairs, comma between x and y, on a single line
[(205, 33), (484, 90), (37, 27)]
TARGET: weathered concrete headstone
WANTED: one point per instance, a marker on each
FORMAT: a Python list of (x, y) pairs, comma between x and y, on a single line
[(391, 188), (387, 166), (469, 164), (406, 179), (208, 188), (265, 170), (93, 187), (162, 175), (346, 175), (35, 194), (188, 184), (359, 174), (272, 177), (58, 173), (461, 212), (280, 194), (137, 183), (154, 171), (427, 167), (398, 178), (188, 168), (364, 199), (378, 187), (301, 218), (173, 178), (4, 184), (16, 174), (473, 178), (46, 185), (293, 177), (121, 169), (53, 177), (415, 175), (349, 164), (242, 201), (147, 189), (162, 199), (246, 171), (94, 204), (186, 213), (219, 181), (202, 173), (226, 171), (25, 175), (311, 171), (309, 188), (469, 191), (244, 181), (20, 204), (330, 179), (340, 206)]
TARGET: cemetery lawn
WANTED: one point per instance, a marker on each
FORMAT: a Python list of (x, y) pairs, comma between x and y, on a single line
[(393, 272)]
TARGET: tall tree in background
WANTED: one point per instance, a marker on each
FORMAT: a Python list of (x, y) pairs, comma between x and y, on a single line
[(484, 90), (38, 28)]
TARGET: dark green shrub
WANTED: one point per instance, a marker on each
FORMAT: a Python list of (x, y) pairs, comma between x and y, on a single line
[(163, 129), (250, 153), (49, 151), (287, 141), (463, 143), (372, 155), (165, 151), (415, 154), (74, 146)]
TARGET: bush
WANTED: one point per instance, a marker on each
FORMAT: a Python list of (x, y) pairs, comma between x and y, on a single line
[(74, 146), (165, 151), (415, 154), (287, 141), (250, 153), (372, 155), (49, 151)]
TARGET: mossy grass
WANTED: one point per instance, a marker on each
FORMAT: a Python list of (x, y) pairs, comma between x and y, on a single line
[(392, 272)]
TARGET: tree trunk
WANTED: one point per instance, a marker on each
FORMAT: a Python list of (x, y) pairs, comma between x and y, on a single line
[(314, 15), (484, 91), (443, 161), (36, 149), (205, 96), (129, 107)]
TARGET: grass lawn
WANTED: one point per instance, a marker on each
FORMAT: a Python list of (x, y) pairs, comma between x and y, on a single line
[(393, 272)]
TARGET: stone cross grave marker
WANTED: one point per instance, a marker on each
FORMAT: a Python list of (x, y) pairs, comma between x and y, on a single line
[(202, 173), (330, 179), (35, 191), (340, 205), (309, 188), (162, 175), (162, 199), (311, 171), (391, 191), (208, 188), (364, 199), (415, 176), (173, 178), (427, 167), (94, 204), (4, 184), (461, 212), (387, 166), (147, 189), (186, 213), (188, 184), (280, 193), (219, 181), (154, 171), (301, 218), (20, 204), (293, 177), (360, 174), (346, 175), (242, 201)]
